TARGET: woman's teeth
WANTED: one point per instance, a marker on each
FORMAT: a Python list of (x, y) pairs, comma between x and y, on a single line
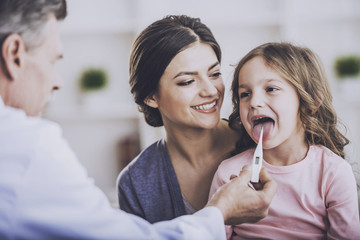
[(205, 106)]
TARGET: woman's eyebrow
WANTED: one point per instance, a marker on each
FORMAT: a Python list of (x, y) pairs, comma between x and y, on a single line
[(195, 72), (214, 65), (185, 73)]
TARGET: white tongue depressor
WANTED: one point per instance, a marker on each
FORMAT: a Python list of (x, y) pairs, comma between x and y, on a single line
[(257, 160)]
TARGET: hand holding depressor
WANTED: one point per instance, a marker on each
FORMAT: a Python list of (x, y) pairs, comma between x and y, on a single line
[(239, 203)]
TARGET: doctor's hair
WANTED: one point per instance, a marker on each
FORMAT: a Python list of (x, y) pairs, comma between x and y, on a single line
[(27, 18), (154, 49), (303, 69)]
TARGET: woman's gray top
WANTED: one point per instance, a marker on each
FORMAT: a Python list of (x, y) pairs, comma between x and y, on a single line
[(148, 186)]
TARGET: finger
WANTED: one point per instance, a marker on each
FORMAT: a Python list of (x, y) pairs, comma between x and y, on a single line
[(246, 167), (233, 176), (245, 173), (264, 176)]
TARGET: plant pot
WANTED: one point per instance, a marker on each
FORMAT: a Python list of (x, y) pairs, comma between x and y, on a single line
[(350, 88), (93, 100)]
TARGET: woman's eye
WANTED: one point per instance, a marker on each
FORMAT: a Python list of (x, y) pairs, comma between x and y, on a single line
[(185, 83), (216, 74)]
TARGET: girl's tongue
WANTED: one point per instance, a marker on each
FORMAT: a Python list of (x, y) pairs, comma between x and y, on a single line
[(268, 126)]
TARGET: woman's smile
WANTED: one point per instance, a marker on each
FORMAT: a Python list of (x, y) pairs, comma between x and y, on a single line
[(206, 107)]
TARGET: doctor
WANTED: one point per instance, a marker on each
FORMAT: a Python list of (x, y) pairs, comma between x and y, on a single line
[(44, 191)]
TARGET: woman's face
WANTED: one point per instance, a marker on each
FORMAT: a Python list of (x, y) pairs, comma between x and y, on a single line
[(191, 89)]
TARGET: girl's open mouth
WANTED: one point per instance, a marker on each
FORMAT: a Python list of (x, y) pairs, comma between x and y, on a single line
[(262, 122)]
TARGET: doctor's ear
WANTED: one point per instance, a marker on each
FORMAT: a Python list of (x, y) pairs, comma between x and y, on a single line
[(12, 51), (151, 101)]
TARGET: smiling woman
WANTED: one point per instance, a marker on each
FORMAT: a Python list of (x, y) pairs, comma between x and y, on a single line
[(175, 78), (190, 90)]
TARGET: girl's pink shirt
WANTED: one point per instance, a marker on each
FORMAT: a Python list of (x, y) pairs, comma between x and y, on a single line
[(316, 198)]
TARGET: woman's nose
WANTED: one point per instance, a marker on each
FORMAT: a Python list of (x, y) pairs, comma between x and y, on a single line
[(208, 88)]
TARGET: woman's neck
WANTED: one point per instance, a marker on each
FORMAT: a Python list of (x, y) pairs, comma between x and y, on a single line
[(196, 154), (190, 144), (196, 145)]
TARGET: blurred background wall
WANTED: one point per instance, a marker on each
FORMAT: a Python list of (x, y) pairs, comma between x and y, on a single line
[(104, 127)]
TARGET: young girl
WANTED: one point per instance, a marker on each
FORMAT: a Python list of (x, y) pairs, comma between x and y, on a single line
[(283, 89)]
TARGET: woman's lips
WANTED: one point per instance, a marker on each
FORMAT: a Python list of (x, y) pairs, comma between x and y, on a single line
[(206, 107)]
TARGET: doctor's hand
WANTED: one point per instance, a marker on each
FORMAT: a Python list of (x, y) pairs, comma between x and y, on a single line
[(239, 202)]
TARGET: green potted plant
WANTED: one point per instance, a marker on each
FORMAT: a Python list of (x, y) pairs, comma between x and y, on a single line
[(347, 67), (91, 81), (347, 70)]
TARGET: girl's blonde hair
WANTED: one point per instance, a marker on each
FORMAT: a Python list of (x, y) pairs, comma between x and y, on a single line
[(303, 69)]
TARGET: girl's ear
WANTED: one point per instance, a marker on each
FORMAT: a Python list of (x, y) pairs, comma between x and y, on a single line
[(12, 51), (151, 102)]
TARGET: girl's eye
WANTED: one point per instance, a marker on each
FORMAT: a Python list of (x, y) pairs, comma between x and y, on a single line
[(185, 83), (216, 74), (244, 94), (271, 89)]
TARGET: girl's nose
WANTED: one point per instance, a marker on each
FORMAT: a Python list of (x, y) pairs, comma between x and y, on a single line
[(257, 100)]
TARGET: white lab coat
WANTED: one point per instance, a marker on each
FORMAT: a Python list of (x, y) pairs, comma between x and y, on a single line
[(45, 193)]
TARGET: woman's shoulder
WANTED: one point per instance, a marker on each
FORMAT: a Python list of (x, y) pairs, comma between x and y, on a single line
[(148, 162), (227, 137), (226, 131)]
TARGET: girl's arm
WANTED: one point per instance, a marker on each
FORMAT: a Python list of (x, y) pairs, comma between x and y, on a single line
[(342, 204)]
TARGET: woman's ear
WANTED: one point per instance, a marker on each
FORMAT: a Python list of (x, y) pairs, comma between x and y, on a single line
[(151, 101), (12, 51)]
